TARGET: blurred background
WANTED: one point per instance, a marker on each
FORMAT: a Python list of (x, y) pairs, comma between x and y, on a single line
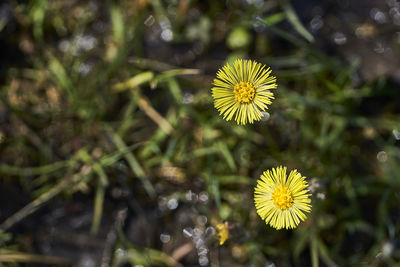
[(112, 154)]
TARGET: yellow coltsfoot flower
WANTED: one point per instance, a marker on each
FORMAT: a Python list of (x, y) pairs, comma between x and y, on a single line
[(242, 91), (281, 200), (222, 232)]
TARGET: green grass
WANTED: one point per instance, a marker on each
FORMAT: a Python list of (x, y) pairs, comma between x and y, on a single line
[(144, 112)]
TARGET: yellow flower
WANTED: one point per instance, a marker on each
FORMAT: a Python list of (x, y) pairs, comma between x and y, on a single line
[(281, 200), (242, 91), (223, 232)]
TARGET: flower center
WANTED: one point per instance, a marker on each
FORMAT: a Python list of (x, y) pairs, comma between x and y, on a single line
[(282, 198), (244, 92)]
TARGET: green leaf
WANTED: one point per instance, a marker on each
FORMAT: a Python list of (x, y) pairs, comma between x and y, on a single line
[(134, 82), (61, 77), (117, 24), (295, 21), (223, 148)]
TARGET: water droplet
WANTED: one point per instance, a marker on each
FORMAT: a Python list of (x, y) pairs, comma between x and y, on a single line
[(314, 185), (197, 232), (339, 38), (171, 9), (162, 202), (316, 23), (210, 231), (381, 156), (258, 25), (172, 203), (393, 12), (165, 238), (396, 16), (188, 195), (149, 21), (167, 35), (165, 24), (188, 232), (199, 243), (120, 252), (84, 68), (379, 48), (187, 98), (203, 260), (202, 220), (85, 42), (192, 196), (378, 16), (392, 3), (64, 45), (321, 196), (202, 251), (265, 116), (396, 134), (203, 196)]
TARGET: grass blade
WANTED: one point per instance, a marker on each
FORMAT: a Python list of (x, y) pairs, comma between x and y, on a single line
[(295, 21), (102, 183), (134, 165), (34, 205)]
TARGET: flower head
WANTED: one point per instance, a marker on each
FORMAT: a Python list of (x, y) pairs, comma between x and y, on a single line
[(223, 232), (281, 200), (242, 91)]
